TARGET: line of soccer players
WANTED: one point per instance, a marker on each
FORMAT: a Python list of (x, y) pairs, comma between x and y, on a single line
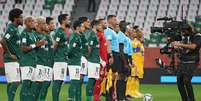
[(110, 54)]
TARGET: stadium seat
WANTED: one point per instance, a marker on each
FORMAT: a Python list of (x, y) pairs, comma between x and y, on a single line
[(58, 7), (36, 13), (135, 2), (174, 2), (66, 12), (20, 6), (28, 1), (38, 7), (154, 2), (28, 6), (184, 1), (27, 12), (71, 2), (40, 2), (46, 12)]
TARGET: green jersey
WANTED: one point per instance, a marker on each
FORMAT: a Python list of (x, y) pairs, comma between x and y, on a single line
[(84, 50), (12, 37), (50, 53), (75, 48), (94, 44), (42, 51), (61, 52), (29, 58)]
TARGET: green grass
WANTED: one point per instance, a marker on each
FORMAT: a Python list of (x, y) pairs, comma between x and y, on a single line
[(159, 92)]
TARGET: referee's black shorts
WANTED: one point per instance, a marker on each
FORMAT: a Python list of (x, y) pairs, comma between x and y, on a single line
[(118, 65)]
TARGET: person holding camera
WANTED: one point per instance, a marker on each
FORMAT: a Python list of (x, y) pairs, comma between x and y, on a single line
[(189, 58)]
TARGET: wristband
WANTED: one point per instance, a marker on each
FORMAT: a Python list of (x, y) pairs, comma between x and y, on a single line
[(33, 46)]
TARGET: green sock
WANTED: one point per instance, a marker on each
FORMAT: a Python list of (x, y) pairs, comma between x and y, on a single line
[(89, 89), (12, 87), (44, 89), (72, 91), (35, 90), (78, 85), (25, 89), (56, 89)]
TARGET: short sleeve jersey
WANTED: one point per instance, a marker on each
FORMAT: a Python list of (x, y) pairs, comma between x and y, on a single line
[(103, 46), (12, 37), (29, 58), (94, 44), (61, 52), (111, 35), (75, 48)]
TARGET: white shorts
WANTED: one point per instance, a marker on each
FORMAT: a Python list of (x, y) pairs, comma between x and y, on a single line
[(47, 73), (12, 71), (39, 73), (93, 70), (84, 65), (59, 70), (27, 72), (74, 72)]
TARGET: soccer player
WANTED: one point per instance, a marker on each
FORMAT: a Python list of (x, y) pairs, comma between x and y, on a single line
[(29, 45), (138, 59), (124, 69), (100, 83), (75, 48), (38, 76), (112, 47), (84, 36), (93, 57), (60, 56), (12, 55), (49, 55)]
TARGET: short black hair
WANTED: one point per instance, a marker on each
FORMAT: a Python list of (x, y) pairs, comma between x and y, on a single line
[(83, 19), (123, 26), (48, 19), (14, 13), (94, 23), (110, 16), (62, 17), (76, 24)]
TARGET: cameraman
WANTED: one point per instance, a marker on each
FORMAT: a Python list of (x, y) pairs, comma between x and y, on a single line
[(189, 59)]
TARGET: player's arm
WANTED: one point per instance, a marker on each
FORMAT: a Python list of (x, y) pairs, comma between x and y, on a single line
[(57, 39), (4, 41)]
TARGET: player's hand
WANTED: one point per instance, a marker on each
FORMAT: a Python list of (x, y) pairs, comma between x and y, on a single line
[(41, 43), (13, 57), (111, 60), (103, 63), (176, 44)]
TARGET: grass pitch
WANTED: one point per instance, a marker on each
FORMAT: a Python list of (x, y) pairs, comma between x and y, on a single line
[(160, 92)]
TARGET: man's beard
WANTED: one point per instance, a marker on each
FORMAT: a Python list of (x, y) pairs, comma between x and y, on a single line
[(67, 25)]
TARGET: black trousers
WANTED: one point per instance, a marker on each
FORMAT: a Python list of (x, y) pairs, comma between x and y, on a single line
[(91, 3), (184, 76)]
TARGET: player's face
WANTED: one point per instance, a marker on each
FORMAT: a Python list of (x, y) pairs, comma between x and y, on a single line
[(87, 24), (114, 21), (104, 24), (51, 25), (82, 28), (29, 23), (67, 21), (99, 27), (117, 29), (20, 20)]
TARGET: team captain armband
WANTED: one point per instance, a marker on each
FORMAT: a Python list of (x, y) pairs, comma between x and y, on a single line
[(57, 39), (33, 46), (136, 49)]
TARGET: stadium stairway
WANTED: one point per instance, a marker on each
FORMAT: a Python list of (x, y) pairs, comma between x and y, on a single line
[(81, 10)]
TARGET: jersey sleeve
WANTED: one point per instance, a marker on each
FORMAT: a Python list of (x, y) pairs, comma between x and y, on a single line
[(108, 34), (9, 34), (58, 36)]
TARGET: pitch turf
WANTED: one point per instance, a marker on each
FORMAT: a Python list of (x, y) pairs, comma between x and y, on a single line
[(159, 92)]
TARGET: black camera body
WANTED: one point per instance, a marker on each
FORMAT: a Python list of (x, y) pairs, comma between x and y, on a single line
[(174, 31)]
